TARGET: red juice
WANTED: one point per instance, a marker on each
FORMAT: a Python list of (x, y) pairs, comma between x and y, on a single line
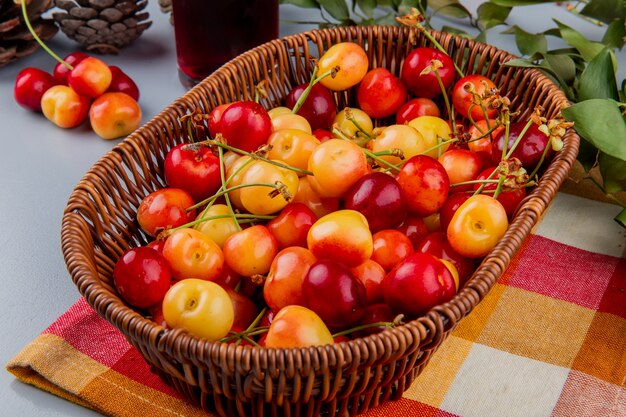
[(211, 33)]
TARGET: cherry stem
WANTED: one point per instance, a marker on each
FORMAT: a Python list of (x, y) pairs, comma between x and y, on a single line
[(245, 333), (439, 145), (480, 189), (388, 324), (227, 190), (38, 39), (518, 139), (220, 152), (212, 142), (486, 181), (356, 124), (543, 157), (305, 94), (507, 126), (239, 218), (501, 179), (446, 100)]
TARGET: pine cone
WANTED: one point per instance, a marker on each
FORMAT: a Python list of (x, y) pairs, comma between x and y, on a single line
[(102, 26), (15, 39)]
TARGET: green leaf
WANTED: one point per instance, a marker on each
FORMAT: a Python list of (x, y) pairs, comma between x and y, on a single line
[(615, 34), (388, 20), (600, 122), (613, 172), (513, 3), (522, 63), (490, 14), (366, 6), (598, 79), (562, 65), (604, 10), (576, 39), (336, 8), (450, 8), (456, 31), (309, 4), (587, 155), (528, 43)]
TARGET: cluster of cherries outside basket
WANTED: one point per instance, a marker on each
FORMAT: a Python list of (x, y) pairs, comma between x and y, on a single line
[(304, 225)]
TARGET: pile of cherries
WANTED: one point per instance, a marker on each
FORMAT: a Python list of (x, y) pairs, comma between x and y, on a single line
[(305, 225), (81, 87)]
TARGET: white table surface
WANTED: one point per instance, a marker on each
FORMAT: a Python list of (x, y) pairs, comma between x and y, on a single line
[(41, 164)]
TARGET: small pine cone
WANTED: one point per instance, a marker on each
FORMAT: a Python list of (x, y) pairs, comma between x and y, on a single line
[(15, 39), (102, 26)]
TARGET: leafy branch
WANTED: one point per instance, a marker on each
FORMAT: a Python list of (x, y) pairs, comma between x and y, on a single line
[(585, 70)]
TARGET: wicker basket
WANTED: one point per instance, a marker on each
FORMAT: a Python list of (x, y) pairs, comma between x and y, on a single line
[(334, 380)]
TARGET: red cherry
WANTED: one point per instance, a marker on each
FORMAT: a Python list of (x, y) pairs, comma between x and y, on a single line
[(464, 100), (449, 207), (528, 150), (424, 184), (90, 77), (196, 171), (378, 197), (61, 72), (375, 313), (322, 134), (380, 93), (436, 243), (142, 277), (122, 83), (215, 119), (318, 109), (246, 125), (30, 85), (414, 228), (416, 107), (291, 226), (165, 208), (510, 199), (426, 85)]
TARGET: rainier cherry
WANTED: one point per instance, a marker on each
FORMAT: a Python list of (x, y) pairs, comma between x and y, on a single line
[(351, 61), (380, 93), (62, 71), (90, 77), (297, 326), (163, 209), (64, 107), (113, 115)]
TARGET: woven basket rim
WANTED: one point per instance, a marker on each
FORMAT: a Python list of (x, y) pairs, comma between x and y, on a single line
[(533, 207)]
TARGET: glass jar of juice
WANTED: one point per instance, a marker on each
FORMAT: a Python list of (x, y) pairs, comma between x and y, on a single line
[(211, 33)]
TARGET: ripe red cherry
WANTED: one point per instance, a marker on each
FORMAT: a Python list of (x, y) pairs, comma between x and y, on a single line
[(449, 207), (30, 85), (165, 208), (375, 313), (122, 83), (426, 85), (196, 171), (61, 72), (463, 100), (461, 165), (510, 199), (322, 134), (390, 247), (418, 283), (380, 93), (414, 228), (417, 107), (215, 119), (436, 243), (424, 184), (291, 226), (528, 150), (334, 294), (142, 277), (246, 125), (378, 197), (319, 108)]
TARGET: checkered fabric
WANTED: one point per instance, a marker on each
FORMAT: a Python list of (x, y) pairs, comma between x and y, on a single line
[(548, 340)]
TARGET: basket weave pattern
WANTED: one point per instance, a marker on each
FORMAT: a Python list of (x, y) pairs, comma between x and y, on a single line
[(336, 380)]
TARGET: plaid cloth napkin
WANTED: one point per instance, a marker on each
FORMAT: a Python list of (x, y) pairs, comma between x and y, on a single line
[(548, 340)]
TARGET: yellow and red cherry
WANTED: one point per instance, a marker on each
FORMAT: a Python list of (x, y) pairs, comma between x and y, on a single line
[(292, 146), (30, 86), (290, 121), (351, 61), (218, 229), (417, 284), (426, 85), (295, 327), (122, 83), (477, 226), (90, 77), (482, 145), (348, 126), (331, 291), (321, 206), (336, 165), (319, 107), (291, 226), (380, 93), (413, 227), (260, 199), (202, 308), (378, 197), (342, 236), (142, 277), (510, 199), (403, 137), (371, 274), (424, 184), (464, 100), (251, 251), (529, 149), (195, 170), (62, 71), (245, 125), (390, 248), (461, 165), (417, 107), (64, 107), (283, 285), (434, 130), (114, 115), (163, 209), (436, 243), (192, 254)]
